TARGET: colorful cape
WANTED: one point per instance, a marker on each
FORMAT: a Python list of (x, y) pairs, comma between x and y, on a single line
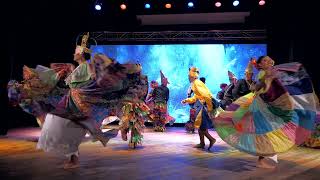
[(87, 99)]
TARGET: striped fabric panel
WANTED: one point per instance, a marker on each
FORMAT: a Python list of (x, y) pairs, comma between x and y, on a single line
[(232, 107), (233, 139), (263, 145), (303, 86), (238, 114), (246, 124), (305, 101), (273, 116), (280, 141), (290, 130), (293, 66), (306, 118), (225, 131), (247, 143), (261, 123)]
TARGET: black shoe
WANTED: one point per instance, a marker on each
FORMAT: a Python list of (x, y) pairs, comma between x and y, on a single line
[(200, 146), (211, 143)]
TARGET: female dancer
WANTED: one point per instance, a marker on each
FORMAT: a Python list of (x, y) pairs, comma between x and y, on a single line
[(93, 89), (278, 115)]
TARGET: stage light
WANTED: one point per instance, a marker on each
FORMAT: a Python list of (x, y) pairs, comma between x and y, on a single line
[(123, 7), (236, 3), (168, 5), (190, 4), (97, 7), (218, 4), (262, 2), (147, 6)]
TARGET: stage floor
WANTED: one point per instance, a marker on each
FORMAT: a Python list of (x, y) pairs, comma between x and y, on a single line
[(167, 155)]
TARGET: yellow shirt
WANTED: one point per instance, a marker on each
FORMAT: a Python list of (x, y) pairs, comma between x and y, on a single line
[(201, 93)]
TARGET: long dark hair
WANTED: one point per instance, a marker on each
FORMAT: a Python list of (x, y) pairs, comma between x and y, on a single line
[(256, 63), (86, 56), (260, 59)]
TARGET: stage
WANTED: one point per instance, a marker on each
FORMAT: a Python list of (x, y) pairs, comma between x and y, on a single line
[(167, 155)]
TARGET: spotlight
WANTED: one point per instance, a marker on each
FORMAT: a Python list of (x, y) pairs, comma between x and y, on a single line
[(168, 5), (236, 3), (218, 4), (97, 7), (190, 4), (147, 6), (262, 2), (123, 7)]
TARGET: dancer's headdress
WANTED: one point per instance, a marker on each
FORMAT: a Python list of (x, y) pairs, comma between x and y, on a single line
[(268, 59), (231, 75), (223, 85), (163, 78), (82, 48), (256, 63), (194, 72)]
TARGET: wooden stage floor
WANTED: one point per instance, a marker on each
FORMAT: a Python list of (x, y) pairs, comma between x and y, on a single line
[(167, 155)]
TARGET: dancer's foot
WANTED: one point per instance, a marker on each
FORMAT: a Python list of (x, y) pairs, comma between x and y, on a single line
[(72, 163), (162, 129), (132, 145), (262, 164), (211, 143), (158, 129), (200, 146)]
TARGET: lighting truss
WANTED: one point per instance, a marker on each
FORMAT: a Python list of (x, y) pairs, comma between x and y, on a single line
[(175, 36)]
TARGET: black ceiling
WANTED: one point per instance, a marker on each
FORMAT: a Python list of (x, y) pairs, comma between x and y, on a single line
[(80, 14)]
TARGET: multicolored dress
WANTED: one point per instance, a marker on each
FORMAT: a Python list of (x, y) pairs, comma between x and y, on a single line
[(160, 114), (134, 111), (314, 140), (87, 100), (41, 90), (275, 118)]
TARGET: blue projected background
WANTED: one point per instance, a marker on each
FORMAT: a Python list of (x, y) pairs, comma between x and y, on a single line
[(213, 60)]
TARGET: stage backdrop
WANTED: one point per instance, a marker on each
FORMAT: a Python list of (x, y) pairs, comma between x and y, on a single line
[(213, 60)]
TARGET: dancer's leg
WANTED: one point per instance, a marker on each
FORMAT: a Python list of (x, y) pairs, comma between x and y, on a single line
[(211, 139), (73, 161), (95, 132), (201, 136)]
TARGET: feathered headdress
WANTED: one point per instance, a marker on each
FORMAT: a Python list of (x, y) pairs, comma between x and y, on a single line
[(163, 78), (194, 72), (80, 49), (29, 73), (231, 75)]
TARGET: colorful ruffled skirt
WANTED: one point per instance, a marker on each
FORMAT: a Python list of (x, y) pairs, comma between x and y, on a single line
[(314, 140), (275, 121), (160, 113)]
